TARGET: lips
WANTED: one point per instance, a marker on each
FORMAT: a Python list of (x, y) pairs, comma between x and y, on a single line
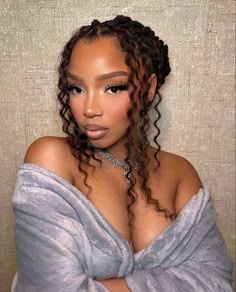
[(95, 131), (93, 127)]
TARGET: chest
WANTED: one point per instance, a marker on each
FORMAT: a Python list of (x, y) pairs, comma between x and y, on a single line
[(108, 192)]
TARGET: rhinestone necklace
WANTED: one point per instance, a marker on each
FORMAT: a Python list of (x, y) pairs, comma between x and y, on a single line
[(117, 163)]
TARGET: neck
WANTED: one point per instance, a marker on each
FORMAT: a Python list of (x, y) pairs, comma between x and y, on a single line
[(115, 162), (118, 149)]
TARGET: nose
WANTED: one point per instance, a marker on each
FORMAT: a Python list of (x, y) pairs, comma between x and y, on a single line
[(92, 106)]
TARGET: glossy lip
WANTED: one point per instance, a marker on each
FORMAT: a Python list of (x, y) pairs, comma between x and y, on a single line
[(94, 127), (95, 132)]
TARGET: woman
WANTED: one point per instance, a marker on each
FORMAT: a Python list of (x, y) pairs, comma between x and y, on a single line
[(102, 210)]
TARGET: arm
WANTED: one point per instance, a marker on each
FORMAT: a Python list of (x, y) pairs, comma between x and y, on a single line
[(115, 285), (49, 265), (49, 250)]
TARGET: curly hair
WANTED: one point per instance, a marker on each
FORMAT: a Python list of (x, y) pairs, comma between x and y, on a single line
[(142, 49)]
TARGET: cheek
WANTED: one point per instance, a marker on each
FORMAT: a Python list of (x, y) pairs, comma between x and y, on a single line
[(118, 110), (76, 109)]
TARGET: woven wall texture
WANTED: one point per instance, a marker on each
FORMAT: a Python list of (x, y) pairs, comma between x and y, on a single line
[(198, 108)]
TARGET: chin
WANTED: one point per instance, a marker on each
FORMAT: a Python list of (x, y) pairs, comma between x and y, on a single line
[(100, 143)]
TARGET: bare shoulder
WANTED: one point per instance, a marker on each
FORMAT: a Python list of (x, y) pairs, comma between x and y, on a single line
[(186, 177), (52, 153)]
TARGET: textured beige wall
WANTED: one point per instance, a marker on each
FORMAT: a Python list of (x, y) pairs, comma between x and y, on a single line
[(198, 105)]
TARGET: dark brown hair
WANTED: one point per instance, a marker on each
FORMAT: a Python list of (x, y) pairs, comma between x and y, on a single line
[(142, 49)]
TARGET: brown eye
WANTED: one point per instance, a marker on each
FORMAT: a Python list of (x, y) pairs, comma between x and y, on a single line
[(74, 90), (116, 88)]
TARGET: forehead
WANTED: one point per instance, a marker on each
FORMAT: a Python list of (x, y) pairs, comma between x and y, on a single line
[(97, 54)]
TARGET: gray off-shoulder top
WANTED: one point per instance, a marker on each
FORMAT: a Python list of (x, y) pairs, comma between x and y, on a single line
[(64, 244)]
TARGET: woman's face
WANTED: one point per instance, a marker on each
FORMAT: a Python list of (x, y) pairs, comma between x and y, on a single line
[(98, 88)]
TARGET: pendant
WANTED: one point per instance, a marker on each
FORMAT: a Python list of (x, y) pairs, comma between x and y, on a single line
[(128, 176)]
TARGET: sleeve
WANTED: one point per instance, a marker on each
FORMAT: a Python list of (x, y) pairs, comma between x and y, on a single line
[(198, 264), (49, 243)]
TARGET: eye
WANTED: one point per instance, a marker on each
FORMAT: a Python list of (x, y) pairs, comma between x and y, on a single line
[(113, 89), (74, 90)]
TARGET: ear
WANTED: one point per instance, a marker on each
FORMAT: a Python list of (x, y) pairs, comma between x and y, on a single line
[(152, 91)]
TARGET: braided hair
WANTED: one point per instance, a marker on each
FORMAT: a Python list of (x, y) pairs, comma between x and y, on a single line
[(142, 49)]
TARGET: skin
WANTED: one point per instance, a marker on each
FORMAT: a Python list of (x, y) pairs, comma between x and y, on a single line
[(94, 101)]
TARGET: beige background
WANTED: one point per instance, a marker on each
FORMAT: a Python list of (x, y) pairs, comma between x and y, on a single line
[(198, 105)]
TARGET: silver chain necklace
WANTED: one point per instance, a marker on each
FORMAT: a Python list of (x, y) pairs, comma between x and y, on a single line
[(117, 163)]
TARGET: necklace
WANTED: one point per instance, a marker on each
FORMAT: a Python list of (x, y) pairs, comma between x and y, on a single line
[(117, 163)]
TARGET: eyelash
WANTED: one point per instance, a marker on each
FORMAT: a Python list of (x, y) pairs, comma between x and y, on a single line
[(117, 86), (71, 88)]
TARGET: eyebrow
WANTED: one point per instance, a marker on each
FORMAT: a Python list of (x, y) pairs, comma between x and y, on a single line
[(100, 77)]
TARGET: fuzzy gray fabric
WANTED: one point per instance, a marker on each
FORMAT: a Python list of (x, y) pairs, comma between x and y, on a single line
[(64, 244)]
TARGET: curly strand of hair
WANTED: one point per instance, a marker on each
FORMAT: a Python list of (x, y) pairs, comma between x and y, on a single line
[(128, 145), (132, 181), (133, 63), (167, 213), (155, 123), (63, 112), (143, 173), (124, 43), (83, 171)]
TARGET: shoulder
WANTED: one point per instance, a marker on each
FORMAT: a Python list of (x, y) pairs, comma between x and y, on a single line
[(52, 153), (184, 176)]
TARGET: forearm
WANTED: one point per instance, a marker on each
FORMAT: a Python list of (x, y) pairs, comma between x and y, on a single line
[(115, 285)]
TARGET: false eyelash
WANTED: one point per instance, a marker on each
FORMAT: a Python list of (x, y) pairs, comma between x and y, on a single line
[(120, 85), (70, 87)]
